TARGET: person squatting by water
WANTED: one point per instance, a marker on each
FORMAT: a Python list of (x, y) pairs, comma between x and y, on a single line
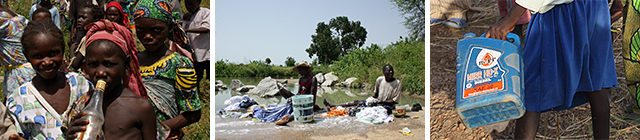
[(308, 86), (568, 60)]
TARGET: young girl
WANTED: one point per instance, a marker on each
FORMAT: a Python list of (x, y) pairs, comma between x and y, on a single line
[(39, 104), (88, 14), (111, 56), (114, 14), (168, 76), (17, 69), (568, 60)]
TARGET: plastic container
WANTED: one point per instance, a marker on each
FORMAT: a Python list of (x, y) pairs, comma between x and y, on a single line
[(489, 80), (302, 108)]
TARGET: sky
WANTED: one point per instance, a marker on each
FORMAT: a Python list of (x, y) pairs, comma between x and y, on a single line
[(256, 30)]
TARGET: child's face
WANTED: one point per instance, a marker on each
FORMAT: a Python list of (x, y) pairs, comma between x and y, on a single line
[(113, 15), (151, 32), (105, 61), (191, 5), (45, 55), (41, 16), (84, 17)]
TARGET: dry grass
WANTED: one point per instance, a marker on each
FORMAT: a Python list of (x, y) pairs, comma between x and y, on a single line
[(567, 124)]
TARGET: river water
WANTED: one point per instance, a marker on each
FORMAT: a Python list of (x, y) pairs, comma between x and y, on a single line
[(334, 95)]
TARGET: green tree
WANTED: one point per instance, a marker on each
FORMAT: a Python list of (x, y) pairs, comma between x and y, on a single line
[(336, 39), (268, 61), (413, 13), (290, 62)]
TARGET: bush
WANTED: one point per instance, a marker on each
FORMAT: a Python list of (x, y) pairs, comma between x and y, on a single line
[(406, 57)]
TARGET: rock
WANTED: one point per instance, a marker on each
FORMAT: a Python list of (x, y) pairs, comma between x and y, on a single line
[(266, 88), (220, 87), (320, 78), (329, 79), (235, 83), (347, 83), (245, 88)]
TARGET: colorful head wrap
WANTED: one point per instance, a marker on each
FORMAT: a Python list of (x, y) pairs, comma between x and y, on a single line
[(123, 15), (121, 36), (160, 10)]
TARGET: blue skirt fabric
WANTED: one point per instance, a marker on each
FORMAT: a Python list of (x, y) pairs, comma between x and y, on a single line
[(567, 52), (273, 112)]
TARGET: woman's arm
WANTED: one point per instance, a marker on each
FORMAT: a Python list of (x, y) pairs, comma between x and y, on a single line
[(182, 120), (500, 29)]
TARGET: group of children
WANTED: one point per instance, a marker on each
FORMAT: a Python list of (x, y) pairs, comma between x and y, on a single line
[(150, 94)]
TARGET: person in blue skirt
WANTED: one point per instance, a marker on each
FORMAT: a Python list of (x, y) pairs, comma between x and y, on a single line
[(568, 60)]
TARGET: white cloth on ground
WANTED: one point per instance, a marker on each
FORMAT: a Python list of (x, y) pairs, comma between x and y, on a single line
[(374, 115)]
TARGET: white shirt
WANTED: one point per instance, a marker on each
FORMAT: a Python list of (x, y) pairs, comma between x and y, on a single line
[(541, 6), (199, 41), (388, 90)]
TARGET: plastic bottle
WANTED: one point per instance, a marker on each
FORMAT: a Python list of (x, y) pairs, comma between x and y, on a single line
[(94, 112)]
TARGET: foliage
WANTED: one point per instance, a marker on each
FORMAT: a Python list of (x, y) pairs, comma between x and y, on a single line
[(336, 39), (413, 13), (406, 57), (223, 68), (268, 61), (290, 62)]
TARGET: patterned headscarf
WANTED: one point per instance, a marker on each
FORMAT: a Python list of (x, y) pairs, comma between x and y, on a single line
[(123, 15), (160, 10), (121, 36)]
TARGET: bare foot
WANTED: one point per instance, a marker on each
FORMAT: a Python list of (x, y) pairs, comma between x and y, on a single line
[(326, 104), (283, 121)]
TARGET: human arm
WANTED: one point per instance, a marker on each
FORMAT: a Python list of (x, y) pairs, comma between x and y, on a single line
[(500, 29), (182, 120), (77, 61), (78, 124), (148, 119), (8, 129), (197, 30), (187, 97)]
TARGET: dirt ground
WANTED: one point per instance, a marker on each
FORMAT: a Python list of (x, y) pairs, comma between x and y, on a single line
[(567, 124)]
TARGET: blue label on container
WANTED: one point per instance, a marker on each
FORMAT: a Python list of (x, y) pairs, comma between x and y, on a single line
[(483, 72)]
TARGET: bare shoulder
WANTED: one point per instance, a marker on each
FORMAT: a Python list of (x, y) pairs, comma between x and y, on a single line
[(134, 101)]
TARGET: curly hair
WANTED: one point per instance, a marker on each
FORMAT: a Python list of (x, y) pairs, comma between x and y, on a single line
[(35, 28), (96, 11)]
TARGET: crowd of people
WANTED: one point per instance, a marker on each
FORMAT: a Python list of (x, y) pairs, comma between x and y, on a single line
[(150, 94)]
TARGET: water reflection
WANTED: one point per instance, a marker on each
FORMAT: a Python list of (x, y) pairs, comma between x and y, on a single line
[(334, 95)]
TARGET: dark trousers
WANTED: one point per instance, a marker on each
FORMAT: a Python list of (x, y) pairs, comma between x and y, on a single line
[(200, 67)]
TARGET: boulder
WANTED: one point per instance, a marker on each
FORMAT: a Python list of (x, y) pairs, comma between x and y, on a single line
[(220, 87), (245, 88), (320, 78), (329, 79), (235, 84), (266, 88), (347, 83)]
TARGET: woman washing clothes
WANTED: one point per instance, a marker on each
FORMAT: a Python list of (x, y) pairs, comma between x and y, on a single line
[(308, 86)]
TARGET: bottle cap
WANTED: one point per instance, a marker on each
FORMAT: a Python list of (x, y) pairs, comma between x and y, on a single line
[(101, 85)]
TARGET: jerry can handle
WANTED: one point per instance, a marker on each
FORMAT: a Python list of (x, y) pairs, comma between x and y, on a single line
[(511, 37)]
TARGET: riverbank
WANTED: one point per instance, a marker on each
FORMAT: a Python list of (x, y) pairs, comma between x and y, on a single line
[(324, 128)]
